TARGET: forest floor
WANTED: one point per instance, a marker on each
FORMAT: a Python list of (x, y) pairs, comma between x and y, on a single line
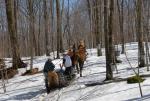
[(31, 87)]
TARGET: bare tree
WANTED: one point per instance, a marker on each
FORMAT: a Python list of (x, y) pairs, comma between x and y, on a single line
[(108, 38), (97, 21), (121, 21), (31, 31), (61, 21), (12, 34), (46, 27), (106, 31), (90, 18), (140, 34), (68, 23), (58, 27), (52, 25), (31, 14)]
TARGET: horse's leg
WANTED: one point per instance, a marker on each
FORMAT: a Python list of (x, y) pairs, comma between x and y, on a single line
[(81, 67), (76, 62), (77, 68), (80, 71)]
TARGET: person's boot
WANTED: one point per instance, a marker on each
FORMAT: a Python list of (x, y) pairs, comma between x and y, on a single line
[(48, 90), (47, 87)]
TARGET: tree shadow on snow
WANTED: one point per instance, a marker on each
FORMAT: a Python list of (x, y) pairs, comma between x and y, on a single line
[(145, 97), (89, 64), (25, 96)]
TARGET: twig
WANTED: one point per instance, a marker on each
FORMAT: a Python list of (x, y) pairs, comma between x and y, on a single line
[(135, 74)]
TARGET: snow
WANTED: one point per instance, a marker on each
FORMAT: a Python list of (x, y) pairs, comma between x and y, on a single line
[(31, 88)]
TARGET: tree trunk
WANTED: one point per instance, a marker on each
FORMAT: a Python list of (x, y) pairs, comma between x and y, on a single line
[(31, 31), (121, 27), (97, 23), (12, 34), (58, 27), (121, 22), (68, 24), (90, 18), (39, 31), (46, 28), (108, 38), (140, 34), (52, 26), (61, 21), (108, 66)]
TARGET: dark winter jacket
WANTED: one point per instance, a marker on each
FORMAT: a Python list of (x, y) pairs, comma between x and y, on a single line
[(49, 66)]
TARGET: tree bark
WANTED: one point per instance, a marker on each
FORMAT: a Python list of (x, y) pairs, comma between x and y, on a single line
[(140, 34), (58, 27), (52, 26), (61, 21), (108, 30), (90, 18), (97, 22), (31, 31), (46, 28), (12, 34), (108, 63)]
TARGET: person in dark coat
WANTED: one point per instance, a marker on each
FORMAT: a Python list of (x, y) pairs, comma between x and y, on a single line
[(49, 66)]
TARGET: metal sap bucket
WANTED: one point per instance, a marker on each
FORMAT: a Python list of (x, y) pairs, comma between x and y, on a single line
[(117, 53), (113, 67)]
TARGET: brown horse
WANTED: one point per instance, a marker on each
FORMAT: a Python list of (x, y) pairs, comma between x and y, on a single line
[(53, 80), (80, 57)]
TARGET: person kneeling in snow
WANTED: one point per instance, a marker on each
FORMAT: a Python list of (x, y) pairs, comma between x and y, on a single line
[(51, 77)]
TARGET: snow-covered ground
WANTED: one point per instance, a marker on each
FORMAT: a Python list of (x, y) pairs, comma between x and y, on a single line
[(31, 88)]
